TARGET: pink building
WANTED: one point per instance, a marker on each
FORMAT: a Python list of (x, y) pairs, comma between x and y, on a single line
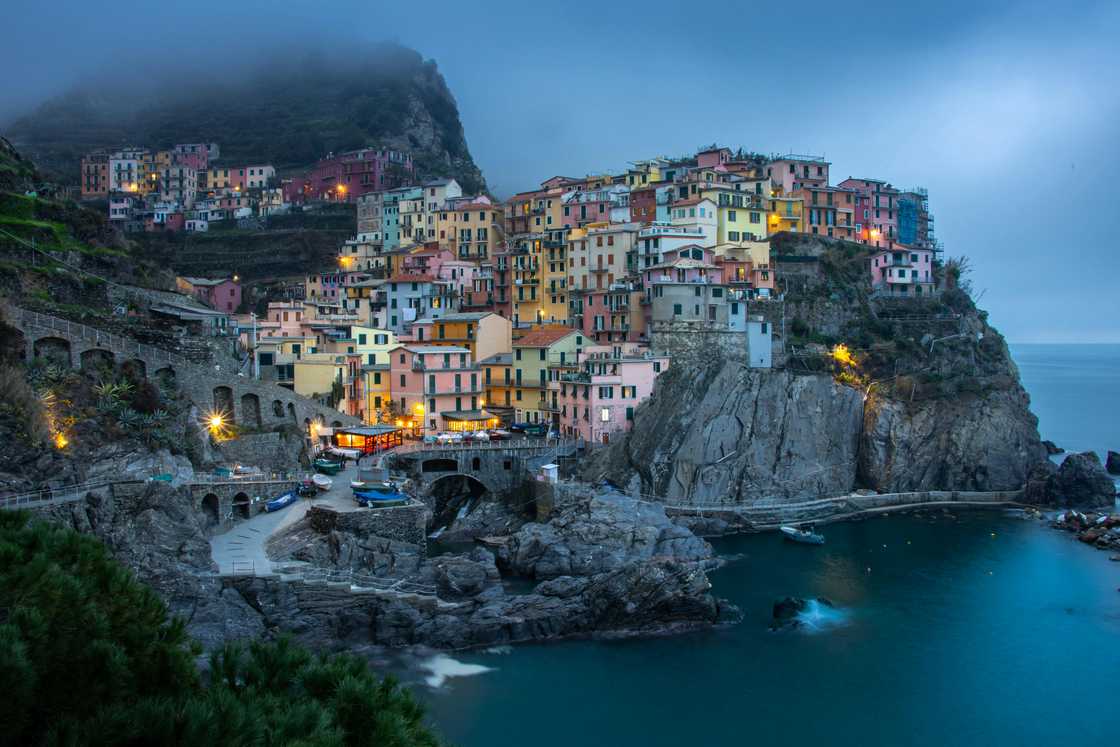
[(598, 401), (903, 271), (876, 211), (791, 172), (439, 383), (740, 272), (712, 157), (610, 316), (347, 176), (426, 261), (223, 294), (688, 264)]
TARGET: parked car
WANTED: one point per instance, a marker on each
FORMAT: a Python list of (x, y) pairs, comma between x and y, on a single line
[(481, 436), (500, 435)]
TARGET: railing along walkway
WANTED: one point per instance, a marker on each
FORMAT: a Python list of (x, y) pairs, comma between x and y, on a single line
[(76, 331), (50, 496)]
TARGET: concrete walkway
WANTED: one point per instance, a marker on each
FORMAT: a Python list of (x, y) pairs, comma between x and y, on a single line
[(241, 550)]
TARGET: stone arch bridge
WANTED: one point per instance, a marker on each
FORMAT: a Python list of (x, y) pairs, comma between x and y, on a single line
[(243, 400), (501, 468)]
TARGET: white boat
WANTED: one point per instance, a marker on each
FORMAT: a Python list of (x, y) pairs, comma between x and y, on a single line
[(804, 536), (322, 481)]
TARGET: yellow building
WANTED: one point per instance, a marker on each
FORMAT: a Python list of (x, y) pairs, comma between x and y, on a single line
[(741, 215), (498, 379), (484, 333), (532, 356), (552, 259), (376, 386), (785, 214), (471, 228), (371, 343), (317, 373)]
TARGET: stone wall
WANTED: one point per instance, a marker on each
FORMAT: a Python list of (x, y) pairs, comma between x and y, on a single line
[(249, 402), (400, 523), (269, 451), (687, 339)]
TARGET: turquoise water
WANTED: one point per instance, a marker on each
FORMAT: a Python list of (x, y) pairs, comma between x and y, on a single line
[(983, 629)]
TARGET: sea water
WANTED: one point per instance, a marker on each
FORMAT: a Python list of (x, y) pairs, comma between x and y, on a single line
[(982, 628)]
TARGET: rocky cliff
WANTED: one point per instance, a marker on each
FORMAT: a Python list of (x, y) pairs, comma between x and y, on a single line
[(931, 400), (289, 110)]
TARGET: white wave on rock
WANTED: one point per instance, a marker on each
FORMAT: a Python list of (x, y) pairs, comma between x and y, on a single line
[(442, 667), (817, 617)]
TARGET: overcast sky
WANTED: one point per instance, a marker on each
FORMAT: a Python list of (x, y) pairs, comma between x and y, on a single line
[(1009, 113)]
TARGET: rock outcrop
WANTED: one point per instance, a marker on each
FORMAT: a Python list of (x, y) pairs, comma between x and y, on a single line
[(716, 430), (976, 441), (599, 535), (1112, 463), (1080, 481), (163, 539)]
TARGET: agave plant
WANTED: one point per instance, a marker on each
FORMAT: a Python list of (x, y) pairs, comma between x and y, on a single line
[(128, 418)]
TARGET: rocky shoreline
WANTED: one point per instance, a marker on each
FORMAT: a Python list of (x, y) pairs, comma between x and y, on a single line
[(603, 565)]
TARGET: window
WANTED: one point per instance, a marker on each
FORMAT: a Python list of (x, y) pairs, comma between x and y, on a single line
[(731, 216), (676, 312)]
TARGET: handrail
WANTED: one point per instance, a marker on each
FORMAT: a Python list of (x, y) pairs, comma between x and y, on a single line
[(46, 496)]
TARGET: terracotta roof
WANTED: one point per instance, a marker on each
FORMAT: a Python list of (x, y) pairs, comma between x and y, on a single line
[(411, 279), (543, 337)]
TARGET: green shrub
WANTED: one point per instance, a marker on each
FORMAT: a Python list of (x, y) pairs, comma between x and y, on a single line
[(88, 655)]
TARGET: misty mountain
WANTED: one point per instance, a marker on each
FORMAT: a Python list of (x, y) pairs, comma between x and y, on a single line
[(288, 108)]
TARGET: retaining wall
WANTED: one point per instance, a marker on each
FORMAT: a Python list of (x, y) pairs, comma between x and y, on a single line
[(401, 523)]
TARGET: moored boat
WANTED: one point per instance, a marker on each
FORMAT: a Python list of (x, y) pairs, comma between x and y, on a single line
[(327, 466), (281, 501), (322, 482), (804, 536)]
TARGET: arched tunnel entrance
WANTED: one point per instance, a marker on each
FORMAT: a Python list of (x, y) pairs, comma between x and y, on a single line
[(212, 506), (454, 497)]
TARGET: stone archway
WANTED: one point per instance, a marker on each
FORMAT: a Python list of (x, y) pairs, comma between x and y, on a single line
[(223, 402), (251, 409), (53, 350), (242, 505), (454, 496), (95, 358), (212, 506), (292, 412), (135, 369), (165, 376), (278, 409)]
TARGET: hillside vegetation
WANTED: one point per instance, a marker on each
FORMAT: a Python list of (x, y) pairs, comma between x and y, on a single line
[(90, 656), (289, 111)]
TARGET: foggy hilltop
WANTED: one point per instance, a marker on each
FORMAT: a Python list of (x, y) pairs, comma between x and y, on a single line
[(286, 106)]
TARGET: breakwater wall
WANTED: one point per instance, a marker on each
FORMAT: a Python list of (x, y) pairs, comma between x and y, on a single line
[(839, 508)]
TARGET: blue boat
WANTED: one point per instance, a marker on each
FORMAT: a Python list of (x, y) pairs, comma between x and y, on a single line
[(379, 498), (281, 501)]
